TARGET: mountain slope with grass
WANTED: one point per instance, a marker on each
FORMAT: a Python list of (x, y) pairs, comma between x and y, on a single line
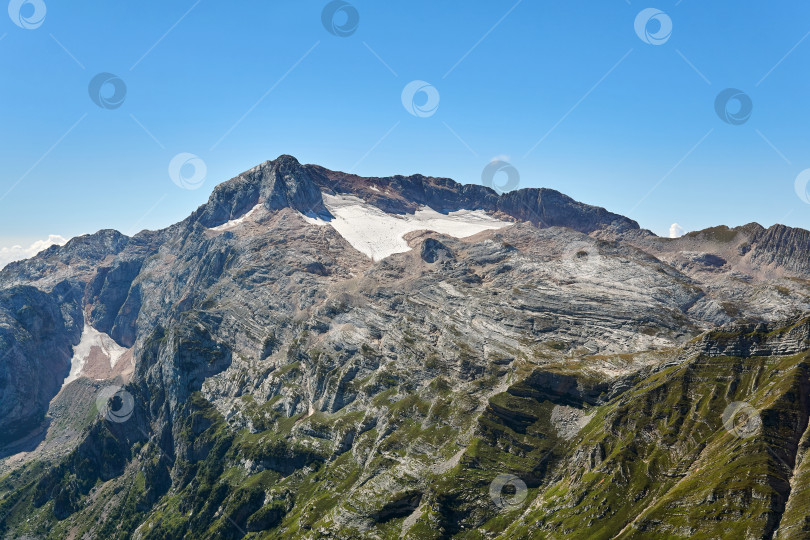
[(312, 354)]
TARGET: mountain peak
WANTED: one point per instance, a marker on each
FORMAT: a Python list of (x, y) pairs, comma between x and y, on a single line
[(285, 182), (276, 184), (247, 356), (286, 160)]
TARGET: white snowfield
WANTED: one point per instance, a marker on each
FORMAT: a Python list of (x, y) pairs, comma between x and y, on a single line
[(238, 221), (81, 352), (378, 234)]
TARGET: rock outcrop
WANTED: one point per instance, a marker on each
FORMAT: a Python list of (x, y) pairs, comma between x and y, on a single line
[(286, 385)]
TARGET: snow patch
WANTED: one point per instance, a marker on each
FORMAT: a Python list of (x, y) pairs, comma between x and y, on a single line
[(314, 220), (81, 353), (378, 234), (238, 221)]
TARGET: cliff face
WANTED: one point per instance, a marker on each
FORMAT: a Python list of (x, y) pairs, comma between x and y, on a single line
[(37, 331), (278, 382), (782, 246), (760, 339), (283, 183)]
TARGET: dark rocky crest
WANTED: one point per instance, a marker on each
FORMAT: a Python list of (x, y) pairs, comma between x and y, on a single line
[(282, 183)]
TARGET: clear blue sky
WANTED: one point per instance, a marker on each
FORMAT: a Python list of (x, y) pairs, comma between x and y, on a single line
[(616, 115)]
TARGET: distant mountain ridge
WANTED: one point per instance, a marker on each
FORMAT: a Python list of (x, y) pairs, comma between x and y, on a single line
[(284, 182)]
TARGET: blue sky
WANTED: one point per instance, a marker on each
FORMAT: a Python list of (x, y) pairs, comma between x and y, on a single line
[(620, 123)]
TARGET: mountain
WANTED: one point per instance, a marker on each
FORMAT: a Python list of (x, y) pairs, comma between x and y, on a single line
[(313, 354)]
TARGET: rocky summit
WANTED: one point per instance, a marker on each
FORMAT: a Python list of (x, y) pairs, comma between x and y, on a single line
[(313, 354)]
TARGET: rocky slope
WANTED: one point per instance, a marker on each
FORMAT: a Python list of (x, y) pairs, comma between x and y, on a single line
[(521, 365)]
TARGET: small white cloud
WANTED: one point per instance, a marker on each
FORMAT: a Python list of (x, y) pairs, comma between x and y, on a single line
[(16, 253), (676, 231), (502, 157)]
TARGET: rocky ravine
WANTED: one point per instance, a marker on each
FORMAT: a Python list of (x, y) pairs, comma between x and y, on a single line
[(286, 382)]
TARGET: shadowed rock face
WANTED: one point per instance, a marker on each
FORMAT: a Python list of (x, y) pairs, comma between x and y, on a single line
[(550, 208), (37, 331), (108, 291), (782, 246), (432, 250), (283, 183), (286, 384), (756, 340)]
